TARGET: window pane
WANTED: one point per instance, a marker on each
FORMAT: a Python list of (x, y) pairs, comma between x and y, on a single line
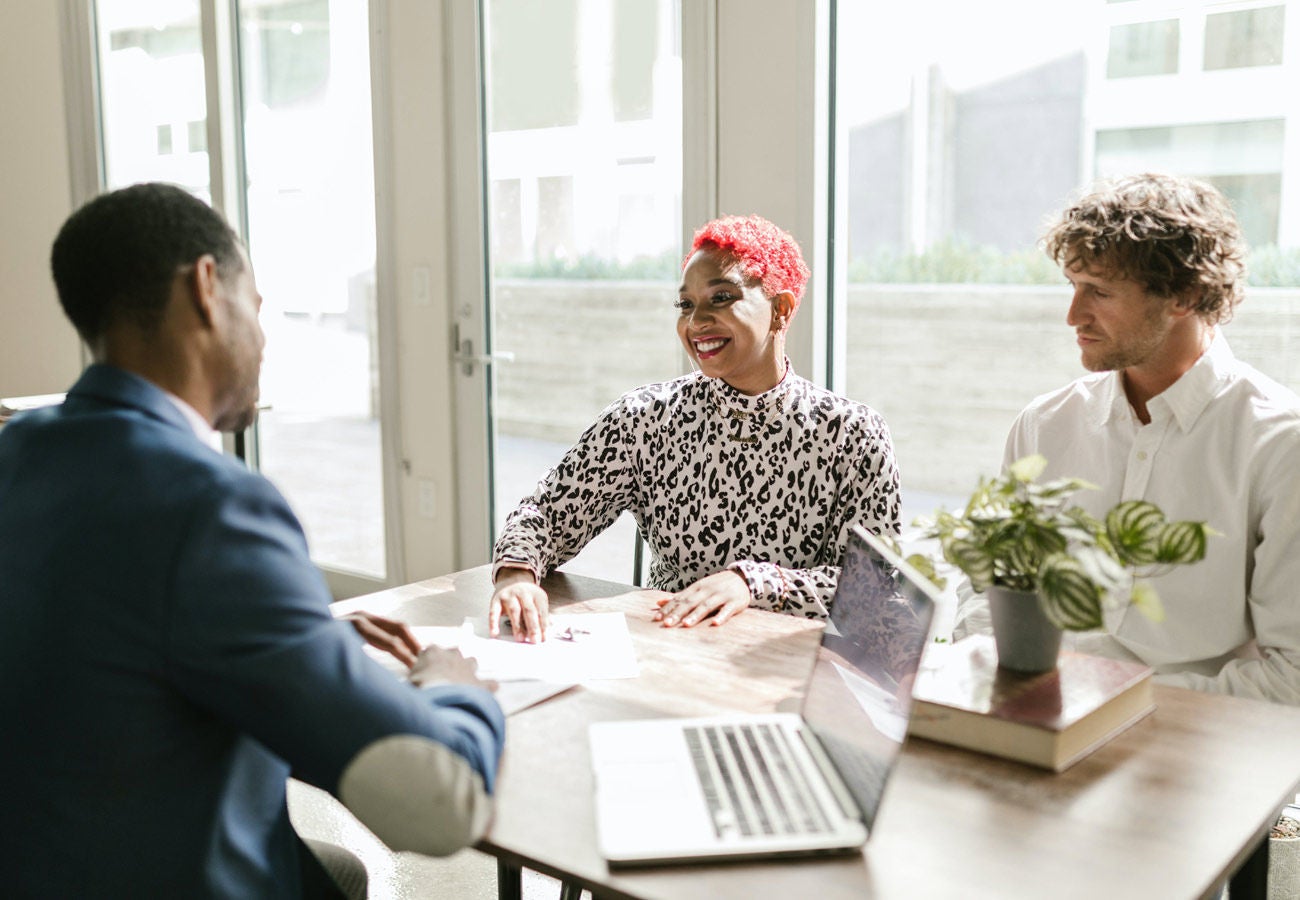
[(957, 153), (532, 64), (1146, 48), (1242, 159), (1250, 37), (584, 159), (150, 89), (311, 221)]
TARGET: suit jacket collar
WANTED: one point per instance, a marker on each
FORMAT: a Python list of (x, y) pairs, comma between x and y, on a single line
[(107, 384)]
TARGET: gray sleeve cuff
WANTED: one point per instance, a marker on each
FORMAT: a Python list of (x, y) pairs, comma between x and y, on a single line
[(416, 794)]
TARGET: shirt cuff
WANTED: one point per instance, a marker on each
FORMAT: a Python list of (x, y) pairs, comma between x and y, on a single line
[(768, 587), (515, 564)]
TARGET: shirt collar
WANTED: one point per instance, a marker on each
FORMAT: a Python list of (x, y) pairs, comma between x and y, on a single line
[(1114, 402), (773, 396), (1187, 397), (1184, 400), (199, 425)]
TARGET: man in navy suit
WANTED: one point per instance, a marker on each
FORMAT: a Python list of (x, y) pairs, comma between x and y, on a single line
[(167, 653)]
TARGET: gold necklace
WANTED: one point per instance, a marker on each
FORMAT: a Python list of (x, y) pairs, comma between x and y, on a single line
[(738, 417)]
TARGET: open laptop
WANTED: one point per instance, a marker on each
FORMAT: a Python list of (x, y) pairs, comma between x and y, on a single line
[(741, 786)]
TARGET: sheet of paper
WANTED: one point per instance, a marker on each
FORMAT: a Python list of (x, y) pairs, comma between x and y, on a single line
[(512, 695), (517, 695), (601, 648)]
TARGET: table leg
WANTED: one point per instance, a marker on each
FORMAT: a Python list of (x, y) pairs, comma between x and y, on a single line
[(1250, 882), (510, 881)]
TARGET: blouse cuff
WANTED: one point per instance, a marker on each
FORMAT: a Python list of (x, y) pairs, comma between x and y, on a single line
[(515, 564), (768, 586)]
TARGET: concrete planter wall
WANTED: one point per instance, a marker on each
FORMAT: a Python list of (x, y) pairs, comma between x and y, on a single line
[(578, 345), (949, 366)]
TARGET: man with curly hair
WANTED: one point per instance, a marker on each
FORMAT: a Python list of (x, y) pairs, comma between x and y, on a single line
[(1169, 415)]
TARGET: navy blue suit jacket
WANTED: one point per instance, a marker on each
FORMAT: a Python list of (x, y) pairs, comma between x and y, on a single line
[(168, 658)]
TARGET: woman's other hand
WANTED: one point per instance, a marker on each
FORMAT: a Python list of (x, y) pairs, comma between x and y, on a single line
[(524, 603), (393, 637), (721, 595)]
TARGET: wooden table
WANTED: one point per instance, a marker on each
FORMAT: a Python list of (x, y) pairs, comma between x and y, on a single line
[(1169, 809)]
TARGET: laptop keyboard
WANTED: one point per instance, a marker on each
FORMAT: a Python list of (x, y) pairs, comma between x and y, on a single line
[(752, 783)]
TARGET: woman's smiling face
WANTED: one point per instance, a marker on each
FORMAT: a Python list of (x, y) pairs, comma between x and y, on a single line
[(727, 325)]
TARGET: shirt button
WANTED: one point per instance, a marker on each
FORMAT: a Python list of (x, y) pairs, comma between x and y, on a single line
[(1142, 455)]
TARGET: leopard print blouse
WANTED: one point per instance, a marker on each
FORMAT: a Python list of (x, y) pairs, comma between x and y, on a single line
[(767, 486)]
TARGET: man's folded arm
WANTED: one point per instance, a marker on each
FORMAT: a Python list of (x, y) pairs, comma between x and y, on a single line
[(253, 642), (418, 794)]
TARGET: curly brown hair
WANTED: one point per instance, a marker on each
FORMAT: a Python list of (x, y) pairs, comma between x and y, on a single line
[(1176, 236)]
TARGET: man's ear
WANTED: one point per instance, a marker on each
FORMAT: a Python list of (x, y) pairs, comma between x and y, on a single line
[(1184, 304), (202, 283)]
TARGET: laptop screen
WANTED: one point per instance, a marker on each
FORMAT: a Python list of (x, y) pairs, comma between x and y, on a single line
[(859, 696)]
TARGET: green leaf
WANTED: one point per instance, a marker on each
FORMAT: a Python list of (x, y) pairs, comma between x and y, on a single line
[(1145, 598), (1181, 542), (972, 559), (1027, 468), (925, 566), (1045, 539), (1026, 535), (1101, 568), (1020, 559), (1070, 600), (1134, 528)]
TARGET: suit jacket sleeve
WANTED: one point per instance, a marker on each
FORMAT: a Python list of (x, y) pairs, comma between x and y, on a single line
[(252, 640)]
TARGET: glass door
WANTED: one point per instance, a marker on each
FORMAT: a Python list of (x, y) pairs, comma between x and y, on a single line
[(583, 107), (299, 147), (152, 94), (305, 77)]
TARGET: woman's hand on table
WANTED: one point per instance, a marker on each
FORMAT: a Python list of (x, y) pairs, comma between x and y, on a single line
[(393, 637), (522, 601), (720, 596)]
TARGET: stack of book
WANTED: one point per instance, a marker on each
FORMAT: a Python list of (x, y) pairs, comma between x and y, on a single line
[(1052, 719)]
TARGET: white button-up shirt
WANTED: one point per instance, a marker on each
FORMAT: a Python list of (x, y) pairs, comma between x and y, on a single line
[(1222, 446), (199, 425)]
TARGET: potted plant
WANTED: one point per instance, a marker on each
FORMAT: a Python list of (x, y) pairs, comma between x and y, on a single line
[(1047, 565)]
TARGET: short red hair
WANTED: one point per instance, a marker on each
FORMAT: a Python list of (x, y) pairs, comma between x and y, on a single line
[(765, 252)]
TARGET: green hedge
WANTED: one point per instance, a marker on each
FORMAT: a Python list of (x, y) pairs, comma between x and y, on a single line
[(664, 267), (955, 262), (958, 262), (1273, 266), (948, 262)]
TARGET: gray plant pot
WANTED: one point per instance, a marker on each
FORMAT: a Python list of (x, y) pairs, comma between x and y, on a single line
[(1283, 868), (1026, 640)]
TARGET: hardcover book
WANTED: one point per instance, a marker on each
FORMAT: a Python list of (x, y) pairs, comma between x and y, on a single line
[(1051, 719)]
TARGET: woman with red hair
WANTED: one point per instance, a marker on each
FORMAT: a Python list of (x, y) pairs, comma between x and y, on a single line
[(744, 479)]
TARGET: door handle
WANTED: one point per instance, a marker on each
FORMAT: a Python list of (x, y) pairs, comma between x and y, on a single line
[(467, 358)]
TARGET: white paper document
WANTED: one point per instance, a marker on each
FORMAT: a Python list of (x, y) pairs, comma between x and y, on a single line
[(598, 646)]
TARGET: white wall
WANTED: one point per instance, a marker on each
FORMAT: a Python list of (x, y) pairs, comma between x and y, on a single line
[(39, 351), (411, 162)]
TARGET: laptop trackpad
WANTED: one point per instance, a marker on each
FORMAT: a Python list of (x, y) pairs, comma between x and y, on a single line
[(651, 797)]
